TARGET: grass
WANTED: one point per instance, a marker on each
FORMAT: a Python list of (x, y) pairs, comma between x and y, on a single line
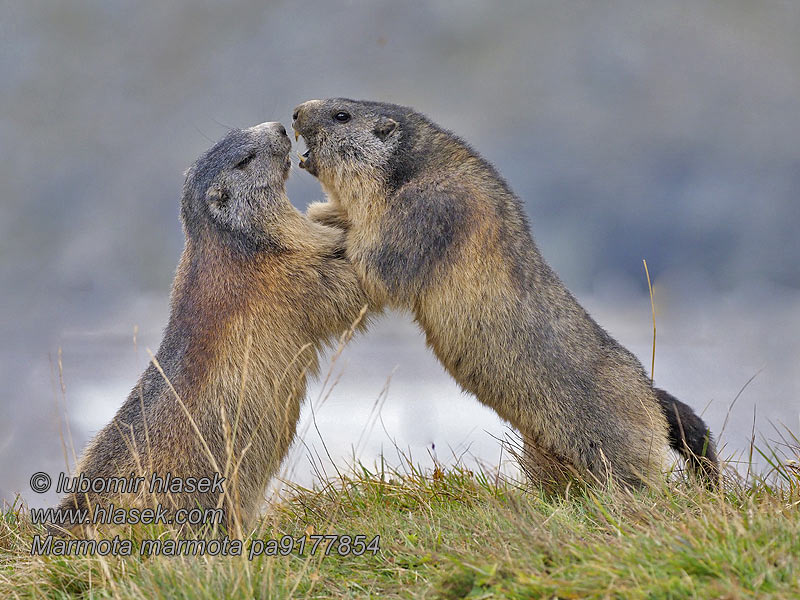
[(456, 533)]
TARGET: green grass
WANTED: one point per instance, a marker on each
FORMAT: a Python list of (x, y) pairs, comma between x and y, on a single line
[(457, 534)]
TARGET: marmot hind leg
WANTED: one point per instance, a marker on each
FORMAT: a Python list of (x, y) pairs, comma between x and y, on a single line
[(544, 469)]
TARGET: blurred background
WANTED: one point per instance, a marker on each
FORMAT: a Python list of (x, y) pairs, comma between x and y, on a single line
[(665, 131)]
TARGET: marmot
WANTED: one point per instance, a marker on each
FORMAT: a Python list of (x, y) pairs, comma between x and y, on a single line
[(433, 228), (258, 291)]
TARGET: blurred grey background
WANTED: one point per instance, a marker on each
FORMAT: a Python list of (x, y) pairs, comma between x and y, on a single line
[(659, 130)]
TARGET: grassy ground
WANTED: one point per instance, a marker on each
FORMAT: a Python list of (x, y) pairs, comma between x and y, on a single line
[(459, 534)]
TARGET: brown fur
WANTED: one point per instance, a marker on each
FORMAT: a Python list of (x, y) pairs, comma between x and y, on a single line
[(247, 322), (433, 228)]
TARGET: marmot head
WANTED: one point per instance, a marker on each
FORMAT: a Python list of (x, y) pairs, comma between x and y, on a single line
[(233, 192), (348, 138)]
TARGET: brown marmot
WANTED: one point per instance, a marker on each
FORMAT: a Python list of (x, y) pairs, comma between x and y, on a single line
[(258, 291), (433, 228)]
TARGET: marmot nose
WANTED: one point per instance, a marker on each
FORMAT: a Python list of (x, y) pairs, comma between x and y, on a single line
[(295, 114), (281, 128)]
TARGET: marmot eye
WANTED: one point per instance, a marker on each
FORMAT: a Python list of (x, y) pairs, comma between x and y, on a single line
[(342, 116), (245, 161)]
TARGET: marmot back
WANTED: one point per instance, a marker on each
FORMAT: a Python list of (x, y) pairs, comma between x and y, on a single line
[(433, 228)]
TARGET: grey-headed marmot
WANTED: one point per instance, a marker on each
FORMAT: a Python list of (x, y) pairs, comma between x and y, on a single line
[(258, 290), (433, 228)]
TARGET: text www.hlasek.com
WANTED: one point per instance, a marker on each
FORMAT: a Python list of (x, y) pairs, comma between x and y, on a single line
[(113, 515)]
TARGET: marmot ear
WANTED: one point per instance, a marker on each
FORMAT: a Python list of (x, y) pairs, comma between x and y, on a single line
[(384, 127)]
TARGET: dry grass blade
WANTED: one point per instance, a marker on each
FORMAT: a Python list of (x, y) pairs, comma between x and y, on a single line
[(653, 310)]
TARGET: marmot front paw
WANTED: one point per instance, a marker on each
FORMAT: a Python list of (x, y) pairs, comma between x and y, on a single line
[(327, 213)]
